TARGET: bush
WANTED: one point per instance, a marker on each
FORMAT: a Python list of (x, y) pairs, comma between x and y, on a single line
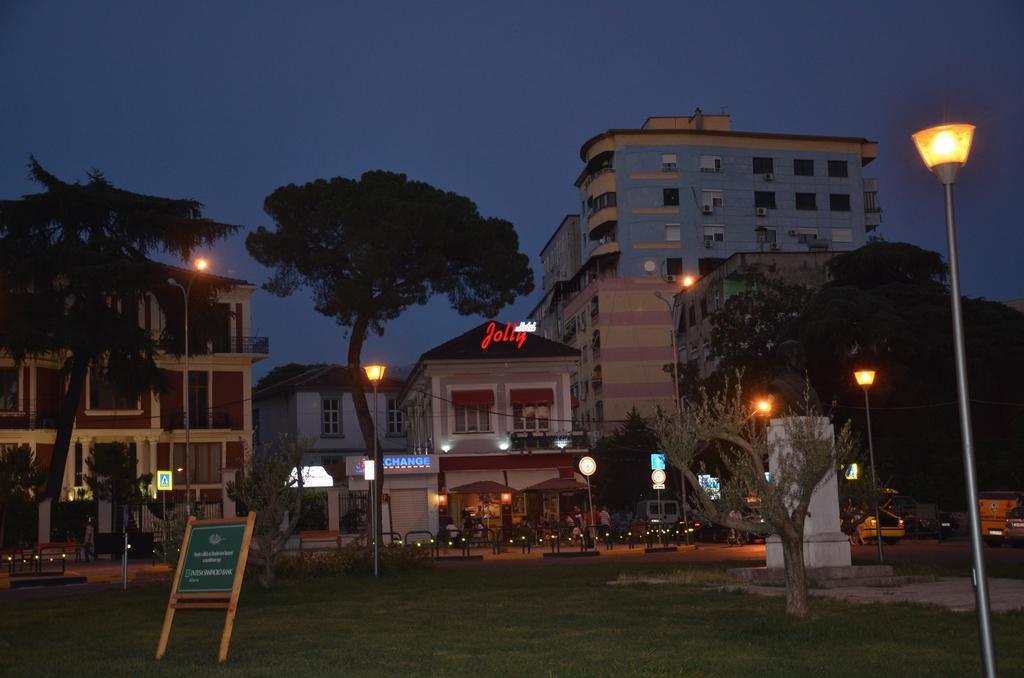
[(352, 558), (68, 518), (314, 511)]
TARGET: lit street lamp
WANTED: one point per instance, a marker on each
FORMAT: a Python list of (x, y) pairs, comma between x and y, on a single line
[(944, 150), (375, 373), (200, 265), (687, 281), (865, 378)]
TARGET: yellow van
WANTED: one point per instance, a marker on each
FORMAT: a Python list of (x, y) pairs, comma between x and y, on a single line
[(994, 507)]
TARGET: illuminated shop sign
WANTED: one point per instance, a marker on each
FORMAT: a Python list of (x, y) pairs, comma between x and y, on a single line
[(711, 485), (406, 462), (526, 326), (395, 463), (508, 335)]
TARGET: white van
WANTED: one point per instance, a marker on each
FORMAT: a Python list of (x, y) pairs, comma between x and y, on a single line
[(651, 510)]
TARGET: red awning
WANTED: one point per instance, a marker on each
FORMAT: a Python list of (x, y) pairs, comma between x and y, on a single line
[(473, 397), (528, 396)]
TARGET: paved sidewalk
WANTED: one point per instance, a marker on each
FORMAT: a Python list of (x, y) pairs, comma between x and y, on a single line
[(952, 593), (104, 571)]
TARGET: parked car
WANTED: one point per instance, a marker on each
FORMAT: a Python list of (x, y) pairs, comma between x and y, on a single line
[(1015, 527), (654, 511), (994, 508), (893, 528)]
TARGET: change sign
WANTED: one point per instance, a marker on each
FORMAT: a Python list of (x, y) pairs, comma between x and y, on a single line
[(211, 558)]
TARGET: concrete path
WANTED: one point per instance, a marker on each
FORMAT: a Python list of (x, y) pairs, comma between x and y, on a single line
[(952, 593)]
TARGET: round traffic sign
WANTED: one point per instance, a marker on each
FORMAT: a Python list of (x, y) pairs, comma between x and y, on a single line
[(658, 476), (588, 466)]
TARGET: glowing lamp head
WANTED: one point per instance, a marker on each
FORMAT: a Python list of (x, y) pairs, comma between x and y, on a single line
[(201, 264), (375, 372), (944, 144), (442, 499), (764, 406), (506, 498), (688, 280), (864, 377)]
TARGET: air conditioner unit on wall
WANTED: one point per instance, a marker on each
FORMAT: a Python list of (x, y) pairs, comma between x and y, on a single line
[(709, 242), (769, 176), (793, 233), (762, 211), (775, 247), (706, 209)]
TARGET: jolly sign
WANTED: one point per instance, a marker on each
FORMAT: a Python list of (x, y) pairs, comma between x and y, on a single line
[(508, 334)]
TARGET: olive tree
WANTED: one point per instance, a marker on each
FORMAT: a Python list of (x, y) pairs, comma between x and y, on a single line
[(723, 422)]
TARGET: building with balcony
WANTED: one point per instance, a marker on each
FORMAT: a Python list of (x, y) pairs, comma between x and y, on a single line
[(318, 406), (495, 415), (219, 388), (694, 306), (677, 197)]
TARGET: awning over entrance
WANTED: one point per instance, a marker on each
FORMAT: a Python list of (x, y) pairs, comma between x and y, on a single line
[(558, 485), (479, 397), (531, 396), (482, 487)]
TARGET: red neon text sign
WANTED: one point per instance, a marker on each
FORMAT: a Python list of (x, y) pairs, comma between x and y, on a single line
[(506, 334)]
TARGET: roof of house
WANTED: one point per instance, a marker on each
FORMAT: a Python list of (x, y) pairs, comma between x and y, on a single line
[(469, 346), (331, 377)]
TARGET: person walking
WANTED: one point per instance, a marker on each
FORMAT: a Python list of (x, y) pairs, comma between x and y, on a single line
[(89, 541), (734, 534)]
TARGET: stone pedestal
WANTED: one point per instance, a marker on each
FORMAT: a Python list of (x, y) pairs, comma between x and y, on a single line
[(825, 545), (227, 476), (43, 531)]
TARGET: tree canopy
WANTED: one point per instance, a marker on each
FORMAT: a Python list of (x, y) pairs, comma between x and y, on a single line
[(370, 248), (74, 266)]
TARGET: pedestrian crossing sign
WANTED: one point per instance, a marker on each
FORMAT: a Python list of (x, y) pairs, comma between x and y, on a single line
[(164, 481)]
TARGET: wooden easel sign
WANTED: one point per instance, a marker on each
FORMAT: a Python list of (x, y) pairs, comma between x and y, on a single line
[(209, 574)]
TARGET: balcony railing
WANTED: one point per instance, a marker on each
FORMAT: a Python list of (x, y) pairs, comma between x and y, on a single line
[(30, 421), (215, 418), (547, 440), (259, 345)]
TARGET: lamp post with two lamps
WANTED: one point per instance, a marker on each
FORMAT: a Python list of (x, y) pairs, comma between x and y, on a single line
[(687, 281), (375, 373), (944, 150), (866, 378), (200, 266)]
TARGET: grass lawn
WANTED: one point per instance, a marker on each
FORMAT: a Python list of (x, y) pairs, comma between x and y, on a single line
[(498, 620)]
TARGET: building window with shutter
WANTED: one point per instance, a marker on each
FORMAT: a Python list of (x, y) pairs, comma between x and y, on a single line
[(394, 418), (330, 416)]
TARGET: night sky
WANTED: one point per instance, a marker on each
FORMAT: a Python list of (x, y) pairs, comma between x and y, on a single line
[(225, 101)]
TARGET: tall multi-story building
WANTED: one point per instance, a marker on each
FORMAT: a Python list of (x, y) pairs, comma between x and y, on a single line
[(677, 197), (219, 388), (559, 261)]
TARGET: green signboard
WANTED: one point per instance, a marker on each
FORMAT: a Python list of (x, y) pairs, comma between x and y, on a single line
[(210, 560)]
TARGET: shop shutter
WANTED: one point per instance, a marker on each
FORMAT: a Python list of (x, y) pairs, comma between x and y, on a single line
[(408, 511)]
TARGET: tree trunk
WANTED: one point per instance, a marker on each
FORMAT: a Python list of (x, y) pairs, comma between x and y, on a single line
[(65, 425), (796, 575), (267, 577), (363, 415)]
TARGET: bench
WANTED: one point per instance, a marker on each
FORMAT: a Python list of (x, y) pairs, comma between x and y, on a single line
[(328, 539), (60, 548)]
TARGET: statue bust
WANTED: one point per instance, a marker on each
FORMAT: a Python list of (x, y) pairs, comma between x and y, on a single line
[(792, 393)]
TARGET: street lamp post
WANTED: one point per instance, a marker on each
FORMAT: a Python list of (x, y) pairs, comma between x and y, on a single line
[(375, 373), (687, 281), (944, 150), (200, 265), (865, 378)]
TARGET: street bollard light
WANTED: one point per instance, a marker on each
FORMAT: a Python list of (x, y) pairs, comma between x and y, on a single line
[(944, 150), (865, 378)]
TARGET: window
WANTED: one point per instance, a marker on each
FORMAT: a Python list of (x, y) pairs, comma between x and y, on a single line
[(205, 460), (765, 235), (672, 232), (8, 389), (668, 162), (839, 202), (601, 201), (670, 197), (531, 416), (103, 395), (703, 307), (691, 315), (806, 201), (763, 166), (713, 199), (837, 168), (714, 234), (198, 399), (674, 266), (330, 411), (803, 168), (710, 163), (472, 418), (842, 235), (599, 412), (871, 201), (79, 462), (764, 199), (394, 418), (804, 235)]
